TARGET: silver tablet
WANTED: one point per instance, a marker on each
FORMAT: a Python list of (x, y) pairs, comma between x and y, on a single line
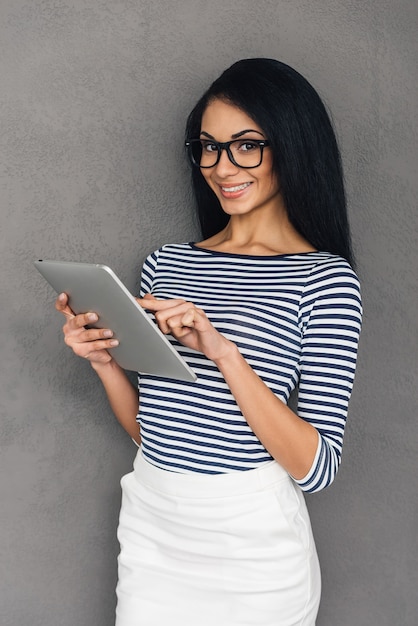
[(142, 346)]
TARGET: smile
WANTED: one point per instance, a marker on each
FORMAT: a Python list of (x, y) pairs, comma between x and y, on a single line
[(236, 188)]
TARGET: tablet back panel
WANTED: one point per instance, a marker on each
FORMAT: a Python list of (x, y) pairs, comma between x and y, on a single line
[(142, 346)]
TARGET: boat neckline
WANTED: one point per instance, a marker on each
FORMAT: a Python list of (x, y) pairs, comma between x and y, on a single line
[(194, 246)]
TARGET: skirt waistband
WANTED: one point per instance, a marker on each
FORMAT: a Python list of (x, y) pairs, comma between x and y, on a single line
[(198, 485)]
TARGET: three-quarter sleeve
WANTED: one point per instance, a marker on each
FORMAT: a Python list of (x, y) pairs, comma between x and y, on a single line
[(148, 273), (330, 319)]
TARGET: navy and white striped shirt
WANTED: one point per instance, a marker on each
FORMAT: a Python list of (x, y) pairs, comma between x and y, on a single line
[(296, 320)]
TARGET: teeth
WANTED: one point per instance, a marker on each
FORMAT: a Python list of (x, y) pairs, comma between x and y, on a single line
[(237, 188)]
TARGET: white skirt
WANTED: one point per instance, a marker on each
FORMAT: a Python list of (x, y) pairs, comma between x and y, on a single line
[(215, 550)]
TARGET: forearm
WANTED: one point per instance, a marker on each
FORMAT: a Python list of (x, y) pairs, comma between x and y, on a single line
[(289, 439), (122, 396)]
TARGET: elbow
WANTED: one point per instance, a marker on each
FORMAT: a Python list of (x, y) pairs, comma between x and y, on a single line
[(324, 468)]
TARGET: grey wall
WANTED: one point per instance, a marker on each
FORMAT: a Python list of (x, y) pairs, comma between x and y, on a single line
[(93, 101)]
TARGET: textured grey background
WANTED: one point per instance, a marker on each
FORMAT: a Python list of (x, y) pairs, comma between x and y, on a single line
[(93, 101)]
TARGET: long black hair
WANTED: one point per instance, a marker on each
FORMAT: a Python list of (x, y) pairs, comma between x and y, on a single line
[(306, 158)]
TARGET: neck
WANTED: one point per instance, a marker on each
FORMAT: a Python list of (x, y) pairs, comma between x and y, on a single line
[(248, 235)]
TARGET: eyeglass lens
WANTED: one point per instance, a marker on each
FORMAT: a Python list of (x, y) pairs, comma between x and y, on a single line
[(244, 152)]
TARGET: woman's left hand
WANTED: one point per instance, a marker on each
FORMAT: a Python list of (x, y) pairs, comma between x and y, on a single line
[(188, 324)]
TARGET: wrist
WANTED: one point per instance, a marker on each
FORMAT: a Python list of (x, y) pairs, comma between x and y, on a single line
[(102, 369), (228, 355)]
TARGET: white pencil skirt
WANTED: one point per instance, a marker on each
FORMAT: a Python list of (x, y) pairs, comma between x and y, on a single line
[(215, 550)]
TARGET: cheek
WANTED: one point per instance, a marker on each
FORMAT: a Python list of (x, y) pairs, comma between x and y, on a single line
[(272, 182), (267, 176)]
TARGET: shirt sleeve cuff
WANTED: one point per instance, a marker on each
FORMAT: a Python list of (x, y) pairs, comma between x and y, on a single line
[(305, 482)]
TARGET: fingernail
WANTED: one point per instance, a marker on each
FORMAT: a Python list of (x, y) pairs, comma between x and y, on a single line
[(61, 296), (107, 333), (114, 342), (92, 317)]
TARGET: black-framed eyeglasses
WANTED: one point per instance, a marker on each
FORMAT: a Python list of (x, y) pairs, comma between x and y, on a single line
[(245, 153)]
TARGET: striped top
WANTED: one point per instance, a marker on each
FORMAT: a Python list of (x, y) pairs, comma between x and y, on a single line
[(296, 320)]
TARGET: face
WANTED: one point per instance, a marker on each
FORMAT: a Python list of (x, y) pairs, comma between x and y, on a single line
[(240, 191)]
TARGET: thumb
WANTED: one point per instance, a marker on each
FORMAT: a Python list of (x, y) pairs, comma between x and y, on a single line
[(61, 305)]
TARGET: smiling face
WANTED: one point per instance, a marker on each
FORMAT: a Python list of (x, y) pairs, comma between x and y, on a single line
[(240, 191)]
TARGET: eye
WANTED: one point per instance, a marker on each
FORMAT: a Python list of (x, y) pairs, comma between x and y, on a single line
[(208, 146), (247, 146)]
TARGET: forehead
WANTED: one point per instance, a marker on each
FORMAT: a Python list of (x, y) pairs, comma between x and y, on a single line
[(222, 120)]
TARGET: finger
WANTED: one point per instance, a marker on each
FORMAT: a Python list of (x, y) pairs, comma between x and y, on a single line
[(184, 314), (188, 318), (61, 301), (91, 348), (185, 320), (197, 318), (142, 301), (85, 318), (181, 331), (177, 307), (94, 334), (78, 321), (167, 322), (154, 305), (96, 346), (61, 305)]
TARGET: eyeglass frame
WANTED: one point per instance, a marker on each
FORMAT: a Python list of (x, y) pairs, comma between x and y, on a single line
[(226, 145)]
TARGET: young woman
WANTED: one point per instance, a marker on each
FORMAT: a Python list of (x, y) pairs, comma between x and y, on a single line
[(213, 526)]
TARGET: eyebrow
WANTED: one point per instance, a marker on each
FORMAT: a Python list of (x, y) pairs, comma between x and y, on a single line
[(235, 135)]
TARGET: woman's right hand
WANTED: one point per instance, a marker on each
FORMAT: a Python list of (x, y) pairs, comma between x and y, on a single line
[(88, 343)]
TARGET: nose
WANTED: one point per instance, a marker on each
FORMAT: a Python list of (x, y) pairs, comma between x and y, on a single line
[(225, 167)]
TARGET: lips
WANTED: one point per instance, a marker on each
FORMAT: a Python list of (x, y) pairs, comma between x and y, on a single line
[(235, 188), (232, 192)]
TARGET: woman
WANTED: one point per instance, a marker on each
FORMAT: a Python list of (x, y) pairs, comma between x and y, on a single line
[(213, 526)]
